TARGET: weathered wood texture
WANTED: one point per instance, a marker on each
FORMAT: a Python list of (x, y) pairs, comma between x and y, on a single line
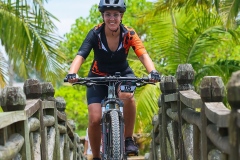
[(34, 124), (196, 126)]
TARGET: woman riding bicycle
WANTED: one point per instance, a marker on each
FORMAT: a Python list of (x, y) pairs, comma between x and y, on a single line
[(111, 41)]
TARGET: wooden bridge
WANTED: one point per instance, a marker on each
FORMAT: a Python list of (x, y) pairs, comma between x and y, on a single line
[(192, 126), (188, 126), (34, 125)]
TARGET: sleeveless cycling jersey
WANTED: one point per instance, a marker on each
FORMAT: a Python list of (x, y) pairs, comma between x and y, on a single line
[(107, 62)]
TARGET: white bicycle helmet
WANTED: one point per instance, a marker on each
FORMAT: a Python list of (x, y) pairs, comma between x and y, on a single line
[(112, 4)]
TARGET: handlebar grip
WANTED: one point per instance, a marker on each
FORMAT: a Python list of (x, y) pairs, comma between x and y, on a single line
[(146, 79), (79, 79)]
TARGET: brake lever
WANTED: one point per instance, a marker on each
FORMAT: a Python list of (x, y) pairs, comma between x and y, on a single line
[(80, 83), (89, 84), (139, 84)]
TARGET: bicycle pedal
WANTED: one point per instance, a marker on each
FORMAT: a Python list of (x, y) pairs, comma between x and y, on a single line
[(132, 154)]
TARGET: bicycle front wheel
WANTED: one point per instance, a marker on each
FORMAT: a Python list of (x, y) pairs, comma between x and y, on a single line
[(115, 136)]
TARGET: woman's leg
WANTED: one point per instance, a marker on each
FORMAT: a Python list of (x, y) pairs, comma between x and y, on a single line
[(94, 128), (129, 112)]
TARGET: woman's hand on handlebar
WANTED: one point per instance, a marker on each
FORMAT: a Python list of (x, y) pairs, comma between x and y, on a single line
[(154, 76), (72, 77)]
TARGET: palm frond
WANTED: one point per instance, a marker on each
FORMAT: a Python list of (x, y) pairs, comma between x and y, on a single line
[(192, 42), (164, 6), (28, 36), (3, 70), (222, 68), (147, 98), (229, 10)]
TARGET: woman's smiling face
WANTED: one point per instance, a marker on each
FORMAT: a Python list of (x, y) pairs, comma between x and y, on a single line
[(112, 19)]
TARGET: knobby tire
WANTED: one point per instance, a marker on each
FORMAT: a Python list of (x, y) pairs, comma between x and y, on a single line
[(115, 136)]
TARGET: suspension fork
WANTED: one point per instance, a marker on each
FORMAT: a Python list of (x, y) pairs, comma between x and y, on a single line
[(121, 119), (105, 127)]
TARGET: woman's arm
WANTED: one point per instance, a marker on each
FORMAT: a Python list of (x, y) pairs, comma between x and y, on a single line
[(76, 64), (147, 62), (149, 65)]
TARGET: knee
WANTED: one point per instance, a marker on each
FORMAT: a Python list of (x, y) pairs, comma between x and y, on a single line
[(131, 101), (128, 99), (94, 121), (126, 96)]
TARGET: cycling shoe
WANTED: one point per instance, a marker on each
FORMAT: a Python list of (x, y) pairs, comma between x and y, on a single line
[(130, 147)]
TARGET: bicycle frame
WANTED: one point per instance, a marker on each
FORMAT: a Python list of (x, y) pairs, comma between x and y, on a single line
[(112, 117), (112, 101)]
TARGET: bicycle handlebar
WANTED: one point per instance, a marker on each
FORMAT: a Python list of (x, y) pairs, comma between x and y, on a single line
[(97, 80)]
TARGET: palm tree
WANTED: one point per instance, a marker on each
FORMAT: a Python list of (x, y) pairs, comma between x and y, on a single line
[(28, 36), (3, 68), (227, 9), (195, 34)]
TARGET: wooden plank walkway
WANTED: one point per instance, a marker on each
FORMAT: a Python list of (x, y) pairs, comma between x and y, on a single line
[(136, 158)]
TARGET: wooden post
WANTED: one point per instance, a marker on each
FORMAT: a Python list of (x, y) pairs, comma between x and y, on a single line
[(47, 91), (66, 148), (167, 86), (72, 138), (33, 90), (196, 143), (154, 135), (76, 152), (233, 96), (185, 77), (60, 106), (211, 90), (3, 136), (14, 99), (47, 95)]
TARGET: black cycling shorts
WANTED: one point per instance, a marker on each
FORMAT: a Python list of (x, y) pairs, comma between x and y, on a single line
[(96, 93)]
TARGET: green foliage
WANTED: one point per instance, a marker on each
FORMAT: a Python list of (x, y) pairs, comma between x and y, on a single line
[(76, 105), (221, 68), (145, 97), (194, 35), (3, 70), (28, 36)]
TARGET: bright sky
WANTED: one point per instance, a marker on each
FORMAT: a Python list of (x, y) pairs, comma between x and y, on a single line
[(67, 11)]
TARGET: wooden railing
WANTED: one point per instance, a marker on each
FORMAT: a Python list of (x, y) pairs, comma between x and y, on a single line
[(35, 126), (192, 126)]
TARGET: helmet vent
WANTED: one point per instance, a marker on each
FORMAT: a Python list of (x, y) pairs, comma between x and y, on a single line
[(116, 1), (112, 4)]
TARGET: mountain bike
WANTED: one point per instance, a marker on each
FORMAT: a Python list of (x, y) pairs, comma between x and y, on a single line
[(112, 121)]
